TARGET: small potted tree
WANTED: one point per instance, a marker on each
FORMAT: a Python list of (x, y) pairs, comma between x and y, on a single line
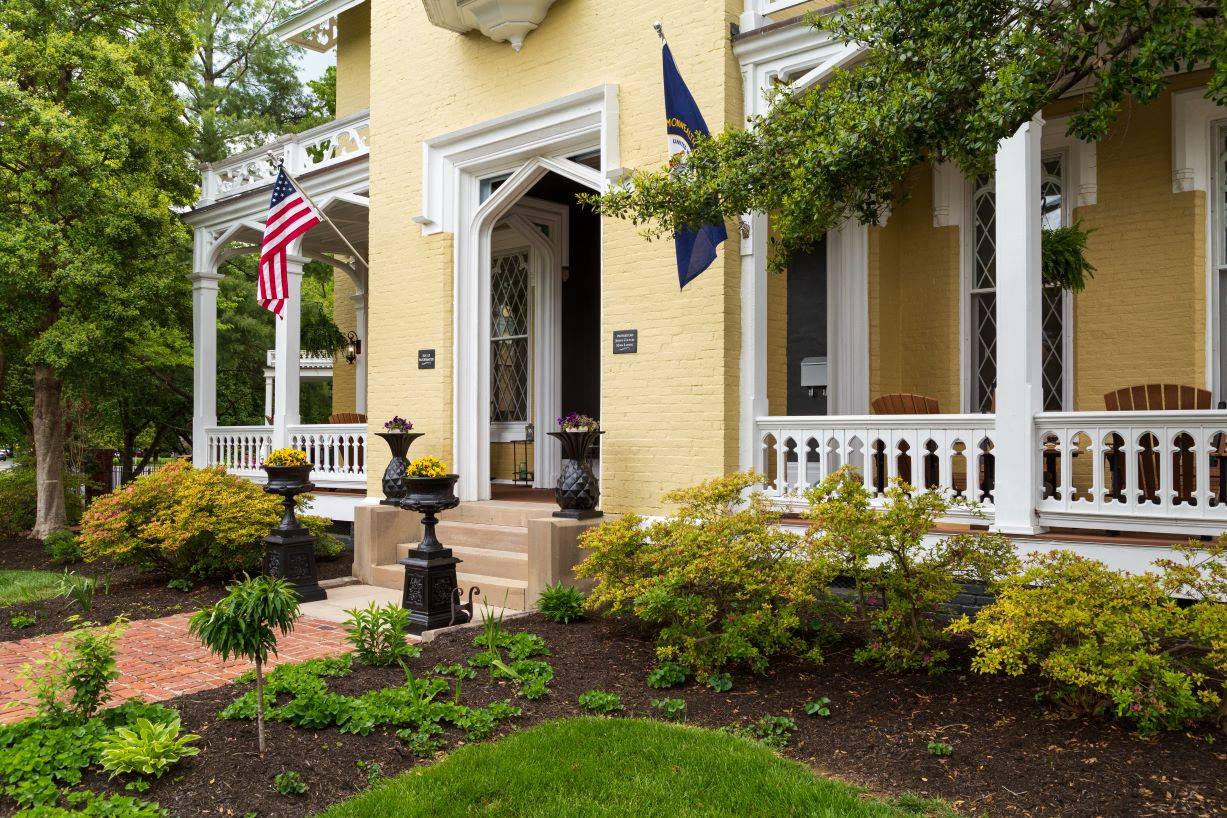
[(399, 435), (577, 490), (244, 624)]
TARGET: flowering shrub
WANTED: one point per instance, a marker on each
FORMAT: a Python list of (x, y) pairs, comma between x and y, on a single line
[(427, 467), (398, 424), (574, 422), (900, 581), (188, 522), (1109, 641), (720, 581), (286, 457)]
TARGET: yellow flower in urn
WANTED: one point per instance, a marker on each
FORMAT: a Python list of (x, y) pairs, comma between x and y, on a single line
[(286, 457), (427, 467)]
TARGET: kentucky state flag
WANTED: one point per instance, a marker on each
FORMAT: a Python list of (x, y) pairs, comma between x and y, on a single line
[(696, 250)]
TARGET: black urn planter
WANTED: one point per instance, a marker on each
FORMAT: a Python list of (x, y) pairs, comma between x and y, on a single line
[(430, 569), (577, 491), (394, 475), (289, 552)]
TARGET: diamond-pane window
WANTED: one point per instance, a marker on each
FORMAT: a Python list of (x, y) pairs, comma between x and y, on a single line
[(509, 358), (984, 296)]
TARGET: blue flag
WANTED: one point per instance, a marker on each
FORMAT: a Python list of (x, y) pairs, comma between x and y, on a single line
[(696, 249)]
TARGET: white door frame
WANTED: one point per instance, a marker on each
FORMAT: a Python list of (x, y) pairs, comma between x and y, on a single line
[(472, 340), (547, 257)]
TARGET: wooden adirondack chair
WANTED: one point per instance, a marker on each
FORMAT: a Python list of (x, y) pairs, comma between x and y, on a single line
[(1158, 397), (353, 455), (903, 403)]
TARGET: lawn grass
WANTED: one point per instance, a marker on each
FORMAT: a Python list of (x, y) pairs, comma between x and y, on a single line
[(616, 767), (17, 587)]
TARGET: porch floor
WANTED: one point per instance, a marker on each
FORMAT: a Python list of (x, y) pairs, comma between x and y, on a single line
[(520, 494)]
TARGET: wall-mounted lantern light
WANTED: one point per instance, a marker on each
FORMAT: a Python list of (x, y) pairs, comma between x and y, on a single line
[(353, 347)]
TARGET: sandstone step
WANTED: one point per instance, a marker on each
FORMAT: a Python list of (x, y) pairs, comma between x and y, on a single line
[(495, 591), (481, 535), (499, 512), (487, 561)]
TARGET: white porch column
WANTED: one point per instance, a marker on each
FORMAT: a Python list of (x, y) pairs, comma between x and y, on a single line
[(847, 319), (268, 396), (753, 381), (359, 301), (1019, 294), (204, 361), (287, 367)]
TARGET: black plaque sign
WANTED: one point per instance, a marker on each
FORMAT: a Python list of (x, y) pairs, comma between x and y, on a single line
[(426, 359), (625, 341)]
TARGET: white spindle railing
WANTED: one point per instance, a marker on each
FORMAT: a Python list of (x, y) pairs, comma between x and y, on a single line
[(949, 453), (240, 449), (338, 452), (1144, 471), (329, 144)]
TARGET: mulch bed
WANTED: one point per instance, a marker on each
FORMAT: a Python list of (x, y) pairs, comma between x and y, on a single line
[(125, 592), (1011, 756)]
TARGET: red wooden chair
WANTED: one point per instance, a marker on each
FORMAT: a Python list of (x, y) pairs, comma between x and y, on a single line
[(904, 403), (1162, 397)]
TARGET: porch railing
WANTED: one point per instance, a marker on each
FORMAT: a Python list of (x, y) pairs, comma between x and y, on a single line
[(338, 451), (1142, 471), (950, 453), (322, 146)]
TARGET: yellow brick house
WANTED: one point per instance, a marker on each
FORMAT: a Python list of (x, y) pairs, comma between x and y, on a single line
[(465, 131)]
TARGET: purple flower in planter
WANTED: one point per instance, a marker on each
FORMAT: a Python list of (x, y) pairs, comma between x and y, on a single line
[(575, 422), (398, 424)]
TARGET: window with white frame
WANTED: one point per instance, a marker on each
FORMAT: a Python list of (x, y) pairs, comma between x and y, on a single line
[(509, 348), (1055, 318), (1219, 250)]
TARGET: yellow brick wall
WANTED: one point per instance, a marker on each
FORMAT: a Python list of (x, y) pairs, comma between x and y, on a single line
[(671, 410), (502, 463), (344, 375), (354, 60), (914, 300), (1140, 320), (777, 343)]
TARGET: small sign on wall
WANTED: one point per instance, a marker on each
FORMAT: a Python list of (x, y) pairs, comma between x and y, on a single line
[(625, 341), (426, 359)]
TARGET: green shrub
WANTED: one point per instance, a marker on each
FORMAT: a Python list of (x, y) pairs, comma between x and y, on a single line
[(327, 547), (20, 620), (1109, 641), (40, 756), (188, 522), (600, 701), (72, 686), (379, 634), (718, 579), (19, 500), (147, 748), (667, 674), (561, 603), (901, 582), (289, 783), (61, 547), (720, 682)]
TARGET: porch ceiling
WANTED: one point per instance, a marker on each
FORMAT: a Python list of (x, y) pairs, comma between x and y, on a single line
[(350, 215)]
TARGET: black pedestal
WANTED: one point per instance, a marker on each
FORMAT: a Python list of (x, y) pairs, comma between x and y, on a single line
[(430, 583), (290, 555), (578, 513)]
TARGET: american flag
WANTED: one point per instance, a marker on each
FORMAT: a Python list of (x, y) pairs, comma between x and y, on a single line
[(289, 216)]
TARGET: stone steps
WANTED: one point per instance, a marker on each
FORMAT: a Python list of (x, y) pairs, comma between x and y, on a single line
[(487, 561)]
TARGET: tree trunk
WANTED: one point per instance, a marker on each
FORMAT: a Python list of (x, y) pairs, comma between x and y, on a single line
[(260, 706), (49, 452)]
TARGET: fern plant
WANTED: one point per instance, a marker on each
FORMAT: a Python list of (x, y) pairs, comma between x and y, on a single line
[(1063, 258), (146, 748)]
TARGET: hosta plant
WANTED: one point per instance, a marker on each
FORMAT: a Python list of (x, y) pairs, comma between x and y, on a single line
[(146, 748), (1114, 642)]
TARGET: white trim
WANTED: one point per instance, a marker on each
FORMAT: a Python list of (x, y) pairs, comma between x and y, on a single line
[(1216, 255), (949, 193), (755, 12), (1192, 114), (1081, 166), (565, 127), (471, 424), (317, 21)]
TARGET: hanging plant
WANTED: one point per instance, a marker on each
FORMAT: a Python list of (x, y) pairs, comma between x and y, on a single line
[(1063, 258)]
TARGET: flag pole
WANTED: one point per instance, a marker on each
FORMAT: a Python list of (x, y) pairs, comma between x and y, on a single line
[(660, 30), (279, 162)]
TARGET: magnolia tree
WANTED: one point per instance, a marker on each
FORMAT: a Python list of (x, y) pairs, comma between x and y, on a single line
[(939, 80)]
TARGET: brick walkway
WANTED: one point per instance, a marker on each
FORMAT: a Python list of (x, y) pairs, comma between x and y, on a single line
[(158, 659)]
